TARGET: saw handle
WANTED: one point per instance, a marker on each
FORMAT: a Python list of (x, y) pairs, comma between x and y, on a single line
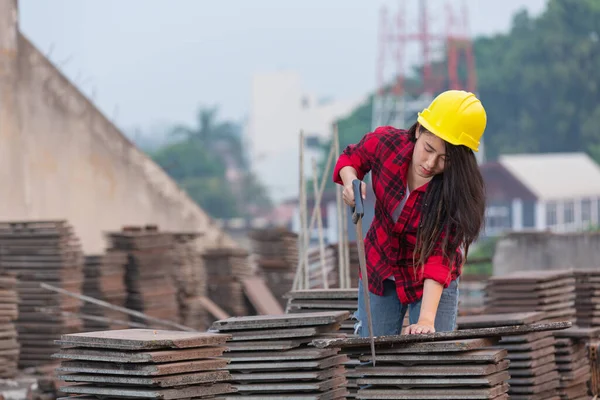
[(358, 211)]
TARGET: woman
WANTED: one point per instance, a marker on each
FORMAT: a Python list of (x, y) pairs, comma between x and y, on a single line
[(429, 208)]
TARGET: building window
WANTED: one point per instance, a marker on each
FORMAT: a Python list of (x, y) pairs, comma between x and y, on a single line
[(497, 218), (586, 212), (569, 212), (551, 217)]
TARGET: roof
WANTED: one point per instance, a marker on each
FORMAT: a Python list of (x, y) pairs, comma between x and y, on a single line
[(553, 176)]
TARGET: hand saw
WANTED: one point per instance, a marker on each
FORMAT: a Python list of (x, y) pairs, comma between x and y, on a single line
[(357, 214)]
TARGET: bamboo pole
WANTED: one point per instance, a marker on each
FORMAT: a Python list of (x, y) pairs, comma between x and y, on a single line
[(339, 207), (302, 274), (305, 229), (295, 285), (117, 308), (317, 210), (95, 318)]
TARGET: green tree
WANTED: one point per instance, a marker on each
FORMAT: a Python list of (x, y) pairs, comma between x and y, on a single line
[(199, 158), (220, 136), (540, 81), (201, 173)]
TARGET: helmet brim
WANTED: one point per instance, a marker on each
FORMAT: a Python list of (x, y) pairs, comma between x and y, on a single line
[(442, 135)]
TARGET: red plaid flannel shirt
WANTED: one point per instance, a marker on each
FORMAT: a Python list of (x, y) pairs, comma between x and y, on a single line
[(389, 245)]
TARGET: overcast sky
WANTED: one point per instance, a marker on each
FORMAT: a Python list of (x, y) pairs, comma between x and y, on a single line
[(152, 62)]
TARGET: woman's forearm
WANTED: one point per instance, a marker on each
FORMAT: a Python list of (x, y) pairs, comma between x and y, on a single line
[(348, 174), (432, 292)]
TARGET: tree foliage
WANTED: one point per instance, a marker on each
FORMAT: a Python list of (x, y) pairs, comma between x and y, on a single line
[(198, 158), (540, 82)]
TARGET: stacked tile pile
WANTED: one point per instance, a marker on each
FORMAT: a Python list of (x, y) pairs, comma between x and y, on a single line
[(226, 269), (533, 369), (43, 252), (275, 248), (275, 252), (144, 363), (151, 287), (587, 301), (453, 369), (105, 280), (316, 270), (461, 364), (320, 300), (550, 292), (191, 280), (270, 357), (9, 346), (573, 362), (354, 263)]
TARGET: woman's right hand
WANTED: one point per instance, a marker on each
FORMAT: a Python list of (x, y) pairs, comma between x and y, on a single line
[(348, 193)]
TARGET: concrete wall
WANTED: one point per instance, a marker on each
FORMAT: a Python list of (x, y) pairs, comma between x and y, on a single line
[(526, 251), (60, 158)]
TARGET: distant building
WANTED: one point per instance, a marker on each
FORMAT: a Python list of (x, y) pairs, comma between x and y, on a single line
[(555, 191), (280, 107)]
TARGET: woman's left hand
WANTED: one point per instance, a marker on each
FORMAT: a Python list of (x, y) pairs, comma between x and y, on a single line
[(418, 328)]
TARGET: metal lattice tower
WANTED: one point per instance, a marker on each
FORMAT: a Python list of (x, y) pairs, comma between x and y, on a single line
[(444, 60)]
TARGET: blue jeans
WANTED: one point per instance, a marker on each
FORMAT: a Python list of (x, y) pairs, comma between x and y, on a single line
[(388, 313)]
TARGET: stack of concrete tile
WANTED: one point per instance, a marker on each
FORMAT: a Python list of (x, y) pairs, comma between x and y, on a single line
[(275, 252), (533, 370), (550, 292), (320, 300), (144, 363), (461, 364), (190, 277), (105, 280), (9, 346), (458, 369), (587, 300), (226, 269), (354, 263), (271, 359), (43, 252), (151, 287), (274, 248), (573, 362), (317, 270)]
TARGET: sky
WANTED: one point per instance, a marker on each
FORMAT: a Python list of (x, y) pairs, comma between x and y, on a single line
[(151, 63)]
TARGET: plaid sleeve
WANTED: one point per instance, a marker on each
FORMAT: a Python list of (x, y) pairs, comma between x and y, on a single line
[(438, 268), (359, 156)]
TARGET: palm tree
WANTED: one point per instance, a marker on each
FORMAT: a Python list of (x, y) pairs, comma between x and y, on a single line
[(221, 137)]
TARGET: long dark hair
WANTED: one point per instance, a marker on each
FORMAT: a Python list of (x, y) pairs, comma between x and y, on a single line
[(454, 205)]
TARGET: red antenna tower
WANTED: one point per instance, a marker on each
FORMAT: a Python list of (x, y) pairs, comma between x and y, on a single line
[(399, 97), (459, 44)]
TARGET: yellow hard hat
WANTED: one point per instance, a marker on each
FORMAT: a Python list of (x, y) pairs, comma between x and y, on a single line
[(456, 116)]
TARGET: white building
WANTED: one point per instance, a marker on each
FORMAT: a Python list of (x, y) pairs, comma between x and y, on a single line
[(280, 108), (555, 191)]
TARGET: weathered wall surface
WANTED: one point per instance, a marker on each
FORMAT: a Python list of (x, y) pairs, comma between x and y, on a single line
[(543, 250), (60, 158)]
